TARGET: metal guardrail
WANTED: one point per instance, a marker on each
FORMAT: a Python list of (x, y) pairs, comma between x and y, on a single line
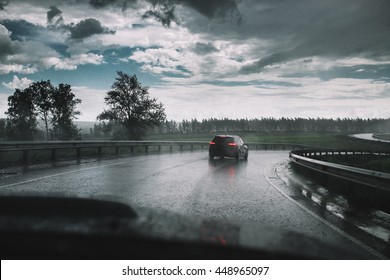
[(370, 178), (26, 147), (299, 154)]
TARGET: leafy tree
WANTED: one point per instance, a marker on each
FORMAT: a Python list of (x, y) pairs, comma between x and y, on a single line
[(55, 106), (130, 105), (63, 110), (2, 128), (42, 93), (21, 116)]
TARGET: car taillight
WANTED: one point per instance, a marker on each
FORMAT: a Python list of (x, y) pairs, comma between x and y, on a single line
[(212, 143), (232, 144)]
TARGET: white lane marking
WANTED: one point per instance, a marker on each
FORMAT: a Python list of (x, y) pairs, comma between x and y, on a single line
[(68, 172), (322, 220)]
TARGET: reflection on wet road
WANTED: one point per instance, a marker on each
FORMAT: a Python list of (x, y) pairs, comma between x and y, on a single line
[(190, 184), (352, 210)]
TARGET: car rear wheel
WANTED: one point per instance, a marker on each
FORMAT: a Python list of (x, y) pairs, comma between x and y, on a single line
[(211, 156), (246, 156)]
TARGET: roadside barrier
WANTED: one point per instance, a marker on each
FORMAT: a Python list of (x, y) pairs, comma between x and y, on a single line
[(370, 178), (25, 149)]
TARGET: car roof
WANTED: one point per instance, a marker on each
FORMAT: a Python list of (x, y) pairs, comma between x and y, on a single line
[(226, 135)]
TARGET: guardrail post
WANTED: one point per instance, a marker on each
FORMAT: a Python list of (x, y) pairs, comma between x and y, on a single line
[(146, 149), (53, 154), (181, 148), (99, 151), (131, 149), (25, 157), (159, 148), (170, 148), (116, 150), (192, 147), (78, 152)]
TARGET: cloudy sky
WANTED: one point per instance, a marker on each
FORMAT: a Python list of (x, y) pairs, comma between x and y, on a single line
[(206, 58)]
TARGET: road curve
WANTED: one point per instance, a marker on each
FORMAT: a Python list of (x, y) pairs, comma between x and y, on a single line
[(369, 136), (189, 184)]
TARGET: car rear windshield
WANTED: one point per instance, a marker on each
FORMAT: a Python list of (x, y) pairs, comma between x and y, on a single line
[(219, 140)]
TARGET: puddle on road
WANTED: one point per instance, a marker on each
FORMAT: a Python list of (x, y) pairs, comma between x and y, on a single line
[(377, 231), (335, 210)]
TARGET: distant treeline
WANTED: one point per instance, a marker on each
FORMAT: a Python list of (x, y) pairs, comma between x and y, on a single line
[(264, 125), (212, 125)]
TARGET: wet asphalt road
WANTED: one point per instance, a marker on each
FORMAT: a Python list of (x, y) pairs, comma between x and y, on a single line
[(189, 184), (369, 136)]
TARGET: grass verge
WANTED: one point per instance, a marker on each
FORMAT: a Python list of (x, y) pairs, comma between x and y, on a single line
[(324, 140)]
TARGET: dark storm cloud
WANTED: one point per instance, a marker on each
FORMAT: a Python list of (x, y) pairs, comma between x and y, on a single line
[(163, 10), (7, 45), (3, 3), (201, 48), (277, 30), (87, 28), (164, 13), (267, 60), (80, 30), (211, 8), (101, 3), (124, 4), (304, 28), (22, 30), (52, 13), (22, 55)]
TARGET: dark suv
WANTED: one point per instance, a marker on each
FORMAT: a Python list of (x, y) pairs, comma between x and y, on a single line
[(228, 146)]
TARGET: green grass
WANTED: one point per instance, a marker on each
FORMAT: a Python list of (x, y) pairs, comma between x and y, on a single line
[(324, 140), (293, 138)]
